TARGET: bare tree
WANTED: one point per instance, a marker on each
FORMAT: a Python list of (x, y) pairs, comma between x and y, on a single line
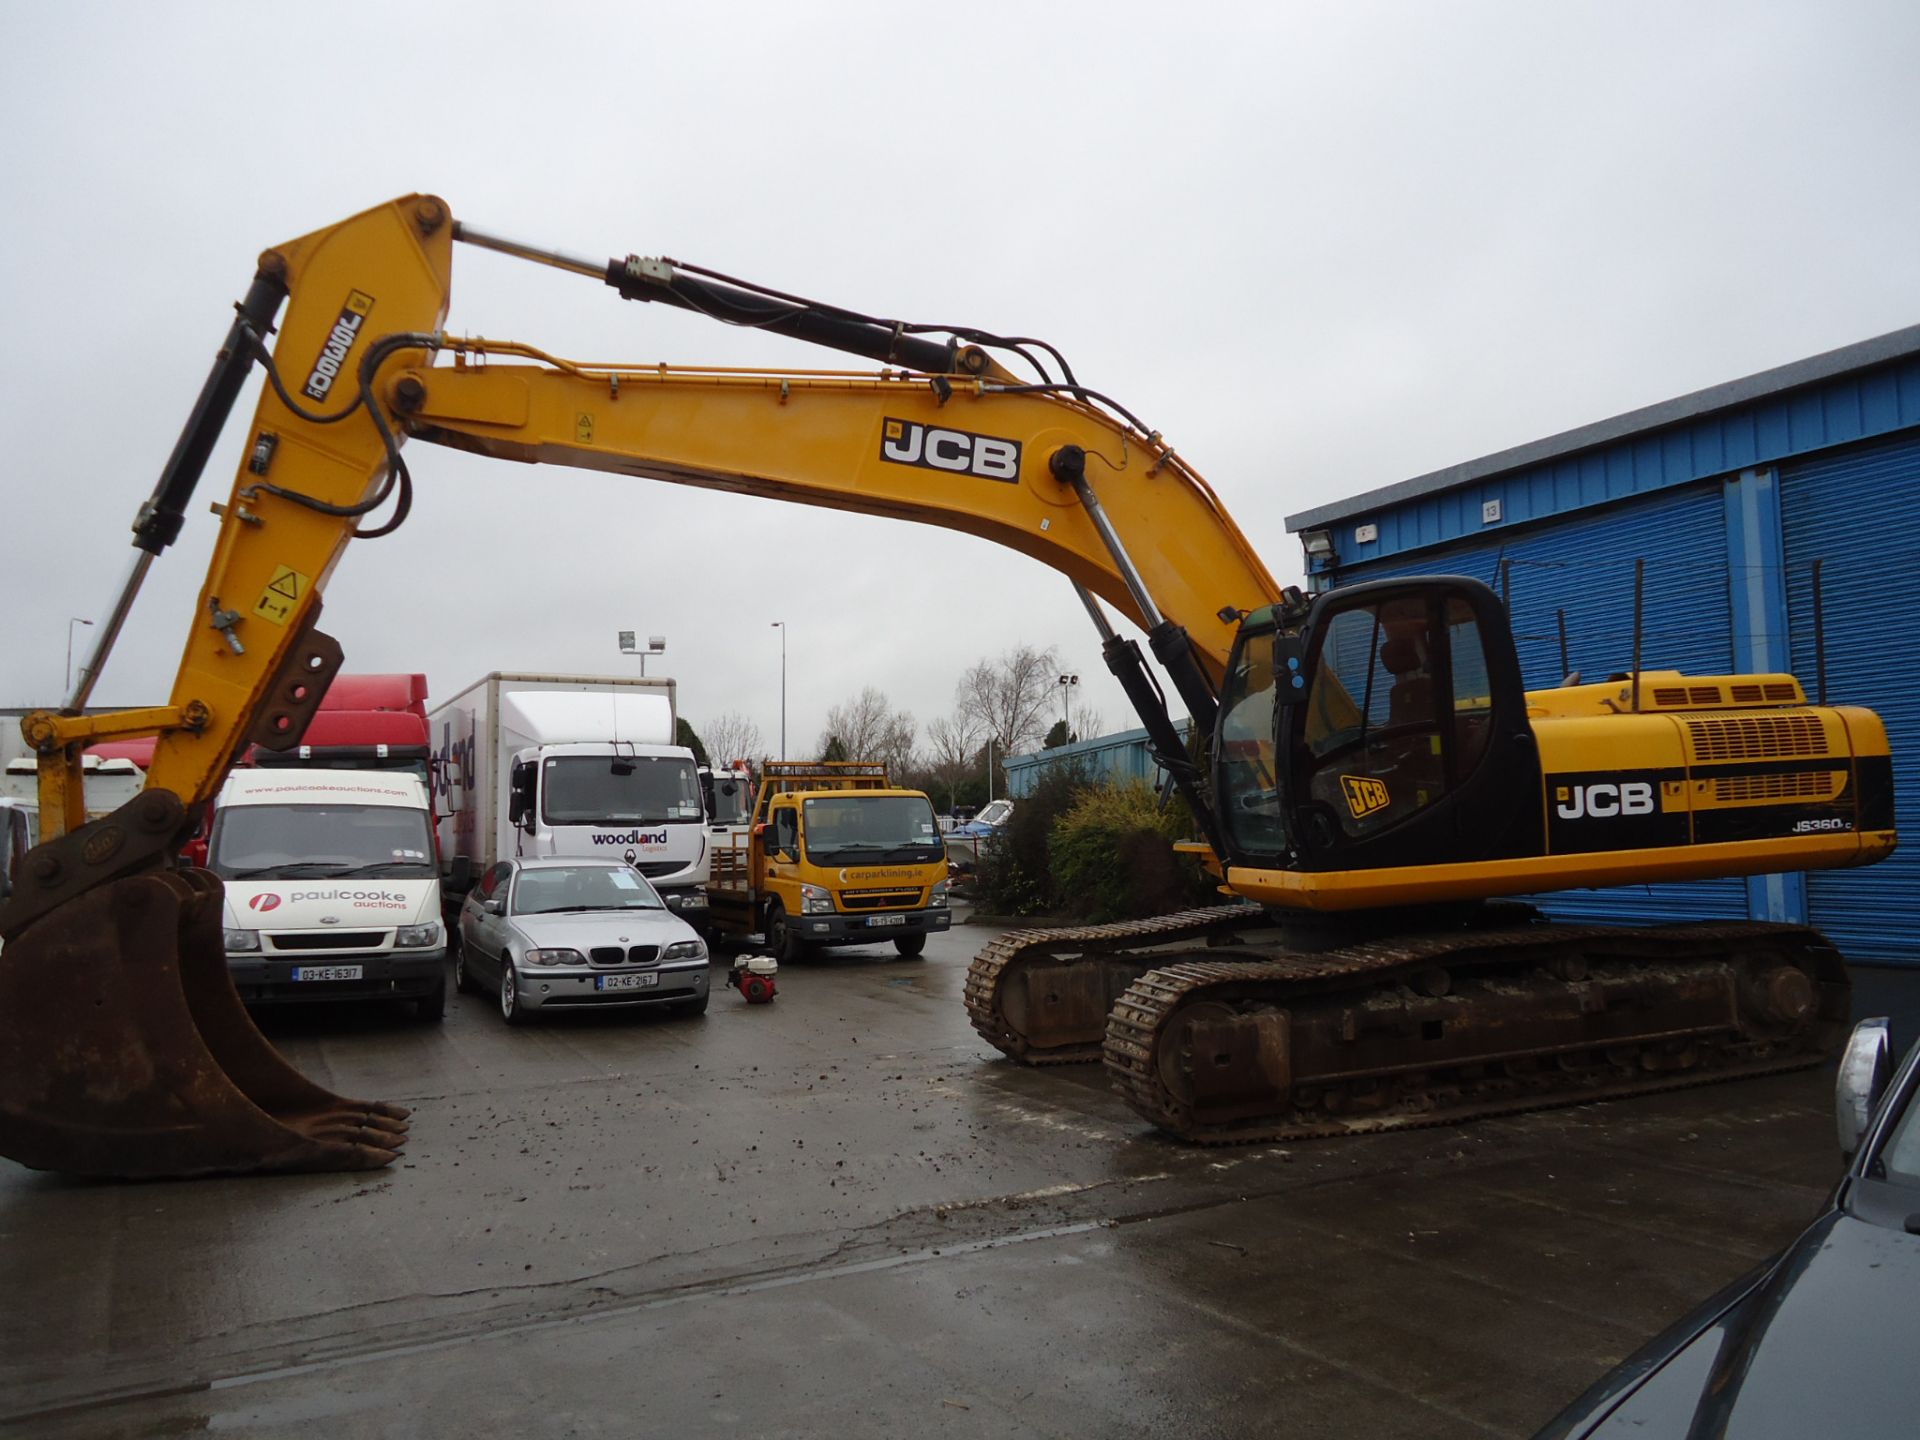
[(871, 729), (1010, 698), (952, 744), (731, 737)]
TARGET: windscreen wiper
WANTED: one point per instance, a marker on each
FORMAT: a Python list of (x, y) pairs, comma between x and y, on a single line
[(325, 867)]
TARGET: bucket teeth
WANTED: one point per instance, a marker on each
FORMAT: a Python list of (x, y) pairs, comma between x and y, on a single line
[(125, 1051)]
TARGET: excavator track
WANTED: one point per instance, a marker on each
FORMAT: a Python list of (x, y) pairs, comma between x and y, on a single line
[(1436, 1029), (1042, 996)]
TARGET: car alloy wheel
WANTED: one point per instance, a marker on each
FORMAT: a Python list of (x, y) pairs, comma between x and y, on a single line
[(511, 1010)]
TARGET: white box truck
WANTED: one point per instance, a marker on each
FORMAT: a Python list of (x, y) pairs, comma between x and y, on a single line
[(108, 784), (331, 889), (569, 765)]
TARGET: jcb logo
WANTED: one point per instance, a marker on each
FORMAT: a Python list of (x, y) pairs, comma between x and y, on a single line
[(1603, 802), (1364, 795), (338, 345), (906, 442)]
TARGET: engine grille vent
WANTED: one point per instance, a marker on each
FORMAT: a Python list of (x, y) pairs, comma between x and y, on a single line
[(350, 940), (1678, 697), (1804, 785), (1756, 737), (878, 899), (615, 955), (1760, 694)]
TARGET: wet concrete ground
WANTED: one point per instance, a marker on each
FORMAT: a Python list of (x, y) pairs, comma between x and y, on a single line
[(842, 1214)]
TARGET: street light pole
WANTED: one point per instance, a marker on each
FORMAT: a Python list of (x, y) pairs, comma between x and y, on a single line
[(989, 768), (1066, 710), (656, 645), (781, 626), (76, 620)]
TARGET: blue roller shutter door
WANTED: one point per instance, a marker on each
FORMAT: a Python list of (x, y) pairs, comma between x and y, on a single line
[(1584, 565), (1859, 513)]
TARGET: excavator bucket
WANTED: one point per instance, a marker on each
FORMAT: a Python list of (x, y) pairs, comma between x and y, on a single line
[(125, 1051)]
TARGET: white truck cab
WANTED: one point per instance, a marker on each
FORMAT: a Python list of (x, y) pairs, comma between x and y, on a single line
[(571, 767), (332, 890)]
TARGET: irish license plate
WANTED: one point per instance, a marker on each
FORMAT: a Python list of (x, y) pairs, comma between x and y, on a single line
[(625, 982), (327, 972), (886, 920)]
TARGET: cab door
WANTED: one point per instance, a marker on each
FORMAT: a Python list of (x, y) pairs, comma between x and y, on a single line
[(780, 853), (1411, 745)]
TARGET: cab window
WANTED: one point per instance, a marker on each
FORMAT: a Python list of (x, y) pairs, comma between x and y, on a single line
[(1375, 737), (1248, 751)]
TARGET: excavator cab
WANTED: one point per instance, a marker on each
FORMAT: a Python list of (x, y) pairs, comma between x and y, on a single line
[(1378, 726)]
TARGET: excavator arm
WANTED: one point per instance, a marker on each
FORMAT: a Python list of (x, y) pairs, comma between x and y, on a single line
[(944, 435), (1031, 466)]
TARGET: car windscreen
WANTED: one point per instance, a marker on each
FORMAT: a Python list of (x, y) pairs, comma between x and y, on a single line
[(554, 889), (619, 790), (872, 830), (732, 801), (995, 812), (1899, 1158), (257, 842)]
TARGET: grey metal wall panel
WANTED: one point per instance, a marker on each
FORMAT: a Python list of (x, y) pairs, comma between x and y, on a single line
[(1583, 566), (1859, 513)]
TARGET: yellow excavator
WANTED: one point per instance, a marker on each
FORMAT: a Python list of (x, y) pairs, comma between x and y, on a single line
[(1376, 779)]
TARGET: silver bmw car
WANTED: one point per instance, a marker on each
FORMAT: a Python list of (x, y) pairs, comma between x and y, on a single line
[(567, 934)]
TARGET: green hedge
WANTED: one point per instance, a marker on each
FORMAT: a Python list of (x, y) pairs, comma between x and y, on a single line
[(1016, 874), (1112, 856), (1094, 851)]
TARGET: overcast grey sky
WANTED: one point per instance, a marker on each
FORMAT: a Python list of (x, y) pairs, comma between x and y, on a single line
[(1321, 247)]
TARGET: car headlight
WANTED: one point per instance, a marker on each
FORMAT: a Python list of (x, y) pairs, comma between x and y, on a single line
[(409, 937), (243, 939), (555, 957), (815, 900), (937, 897), (685, 950)]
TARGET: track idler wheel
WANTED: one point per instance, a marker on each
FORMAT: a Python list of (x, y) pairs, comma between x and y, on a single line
[(125, 1051), (1223, 1064)]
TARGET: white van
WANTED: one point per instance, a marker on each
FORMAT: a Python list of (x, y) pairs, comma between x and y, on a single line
[(333, 892)]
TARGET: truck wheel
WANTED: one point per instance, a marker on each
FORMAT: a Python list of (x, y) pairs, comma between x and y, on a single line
[(511, 1010), (432, 1006), (786, 946), (909, 945)]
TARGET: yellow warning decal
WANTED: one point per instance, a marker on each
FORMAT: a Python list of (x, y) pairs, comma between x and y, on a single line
[(583, 428), (282, 594), (1364, 795)]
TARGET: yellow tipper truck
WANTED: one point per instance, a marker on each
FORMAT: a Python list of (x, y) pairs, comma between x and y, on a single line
[(834, 855)]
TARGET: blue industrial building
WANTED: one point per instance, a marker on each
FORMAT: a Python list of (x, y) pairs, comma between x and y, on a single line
[(1755, 506), (1120, 757)]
